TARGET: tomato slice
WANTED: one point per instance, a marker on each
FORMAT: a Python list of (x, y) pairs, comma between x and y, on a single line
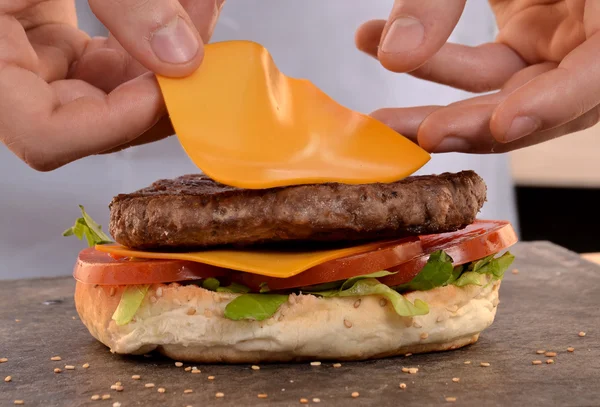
[(478, 240), (96, 267), (388, 255)]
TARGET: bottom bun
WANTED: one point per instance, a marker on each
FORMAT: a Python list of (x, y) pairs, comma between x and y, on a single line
[(187, 323)]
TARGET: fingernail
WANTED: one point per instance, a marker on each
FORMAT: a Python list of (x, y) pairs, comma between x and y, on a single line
[(520, 127), (175, 43), (452, 144), (405, 34)]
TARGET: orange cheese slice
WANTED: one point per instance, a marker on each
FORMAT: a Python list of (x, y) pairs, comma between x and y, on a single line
[(279, 264), (246, 124)]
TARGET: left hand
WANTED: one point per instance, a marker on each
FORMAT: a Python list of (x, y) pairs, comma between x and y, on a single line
[(545, 63)]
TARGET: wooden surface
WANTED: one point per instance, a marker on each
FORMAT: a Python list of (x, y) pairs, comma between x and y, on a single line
[(569, 161), (555, 295)]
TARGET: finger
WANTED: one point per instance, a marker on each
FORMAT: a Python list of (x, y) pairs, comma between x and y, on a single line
[(161, 130), (157, 33), (416, 30), (51, 125), (474, 69), (466, 129), (554, 98), (405, 121)]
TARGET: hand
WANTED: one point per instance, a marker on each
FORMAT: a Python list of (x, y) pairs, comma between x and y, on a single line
[(545, 63), (64, 96)]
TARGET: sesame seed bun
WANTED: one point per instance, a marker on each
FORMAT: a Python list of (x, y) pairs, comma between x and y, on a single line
[(187, 323)]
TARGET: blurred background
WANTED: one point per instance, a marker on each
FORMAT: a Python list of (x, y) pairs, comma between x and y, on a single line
[(549, 192)]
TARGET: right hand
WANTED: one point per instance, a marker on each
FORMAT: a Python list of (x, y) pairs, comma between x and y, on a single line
[(64, 95)]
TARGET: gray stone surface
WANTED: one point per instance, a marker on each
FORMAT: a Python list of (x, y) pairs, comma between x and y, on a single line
[(555, 295)]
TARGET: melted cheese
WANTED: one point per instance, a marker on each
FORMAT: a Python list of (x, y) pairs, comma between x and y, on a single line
[(279, 264), (246, 124)]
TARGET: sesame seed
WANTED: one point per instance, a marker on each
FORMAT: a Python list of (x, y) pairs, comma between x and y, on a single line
[(581, 334), (219, 395), (57, 370), (383, 302), (315, 363), (262, 395), (408, 355), (116, 404), (402, 385), (550, 361), (211, 378), (149, 385), (96, 397), (303, 401), (570, 349), (336, 365), (73, 318), (17, 320), (3, 360), (69, 367), (19, 402), (196, 371), (113, 387), (355, 394), (85, 365), (8, 379), (136, 377), (456, 379), (357, 303), (119, 388), (188, 391), (55, 358), (316, 400), (536, 362), (187, 369), (550, 354), (484, 364), (178, 364), (404, 370), (347, 323), (106, 397), (515, 271), (161, 390), (467, 362), (540, 352), (254, 367), (413, 370), (424, 335), (450, 399)]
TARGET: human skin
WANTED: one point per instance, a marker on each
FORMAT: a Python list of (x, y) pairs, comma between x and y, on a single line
[(544, 67)]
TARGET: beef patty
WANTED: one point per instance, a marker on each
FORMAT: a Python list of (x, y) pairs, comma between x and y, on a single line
[(193, 211)]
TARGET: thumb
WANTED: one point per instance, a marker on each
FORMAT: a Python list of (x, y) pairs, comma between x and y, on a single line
[(158, 33), (415, 31)]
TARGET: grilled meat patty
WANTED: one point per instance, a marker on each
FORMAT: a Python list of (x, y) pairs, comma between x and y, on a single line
[(193, 211)]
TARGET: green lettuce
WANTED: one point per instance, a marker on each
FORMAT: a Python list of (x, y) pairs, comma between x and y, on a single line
[(439, 272), (212, 284), (254, 307), (88, 228), (131, 300), (436, 273), (369, 285)]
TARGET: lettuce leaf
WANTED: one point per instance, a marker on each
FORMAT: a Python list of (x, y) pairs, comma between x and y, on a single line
[(254, 307), (438, 272), (234, 288), (88, 228), (468, 278), (131, 300), (371, 286)]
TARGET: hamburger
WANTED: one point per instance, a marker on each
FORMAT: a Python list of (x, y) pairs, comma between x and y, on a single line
[(205, 272)]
